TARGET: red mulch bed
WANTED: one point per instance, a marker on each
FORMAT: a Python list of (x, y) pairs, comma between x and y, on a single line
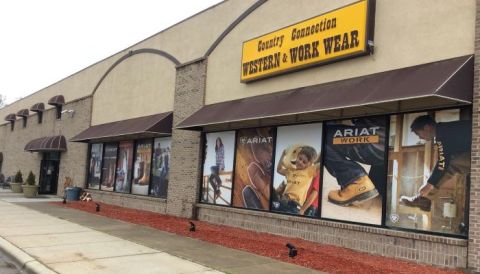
[(321, 257)]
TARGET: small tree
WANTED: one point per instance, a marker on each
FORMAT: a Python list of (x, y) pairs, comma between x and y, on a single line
[(18, 177), (31, 179)]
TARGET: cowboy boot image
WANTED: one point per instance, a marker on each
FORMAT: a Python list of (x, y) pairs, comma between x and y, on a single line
[(256, 176), (146, 175), (423, 203), (360, 190), (250, 198)]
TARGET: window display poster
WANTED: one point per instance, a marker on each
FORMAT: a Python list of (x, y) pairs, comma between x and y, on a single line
[(253, 168), (124, 167), (161, 167), (427, 178), (108, 170), (95, 166), (218, 168), (354, 170), (141, 168), (297, 169)]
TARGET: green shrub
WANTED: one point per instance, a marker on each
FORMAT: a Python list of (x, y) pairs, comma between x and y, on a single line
[(18, 177), (31, 179)]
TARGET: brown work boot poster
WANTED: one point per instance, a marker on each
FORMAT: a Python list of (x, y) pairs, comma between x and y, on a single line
[(354, 170)]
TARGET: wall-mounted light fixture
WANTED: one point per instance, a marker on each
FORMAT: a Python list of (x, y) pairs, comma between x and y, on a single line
[(69, 111)]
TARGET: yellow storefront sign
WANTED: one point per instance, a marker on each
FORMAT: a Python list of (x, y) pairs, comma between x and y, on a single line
[(339, 34)]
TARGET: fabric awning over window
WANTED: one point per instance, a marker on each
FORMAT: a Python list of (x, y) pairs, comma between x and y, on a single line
[(58, 100), (144, 127), (11, 117), (50, 143), (23, 113), (38, 107), (438, 84)]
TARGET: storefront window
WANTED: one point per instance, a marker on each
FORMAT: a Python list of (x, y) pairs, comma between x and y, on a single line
[(124, 167), (354, 170), (422, 188), (218, 168), (253, 168), (297, 169), (95, 166), (108, 169), (141, 167), (160, 167), (427, 182)]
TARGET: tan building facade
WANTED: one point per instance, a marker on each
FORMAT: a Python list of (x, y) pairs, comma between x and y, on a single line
[(357, 150)]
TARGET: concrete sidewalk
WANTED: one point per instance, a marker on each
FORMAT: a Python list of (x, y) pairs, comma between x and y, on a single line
[(72, 241)]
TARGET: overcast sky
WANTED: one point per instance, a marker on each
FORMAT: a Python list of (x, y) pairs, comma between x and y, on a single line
[(45, 41)]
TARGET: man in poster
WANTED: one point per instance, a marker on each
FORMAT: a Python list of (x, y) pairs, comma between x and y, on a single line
[(453, 155), (349, 145)]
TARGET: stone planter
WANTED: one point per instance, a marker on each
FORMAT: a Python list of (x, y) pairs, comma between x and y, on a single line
[(16, 187), (30, 191)]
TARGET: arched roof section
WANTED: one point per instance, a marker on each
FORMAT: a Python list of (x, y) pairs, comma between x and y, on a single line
[(132, 53), (138, 84), (233, 25)]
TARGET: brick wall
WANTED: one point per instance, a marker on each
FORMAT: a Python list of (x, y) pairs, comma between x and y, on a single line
[(72, 162), (474, 216), (421, 248), (131, 201), (186, 145)]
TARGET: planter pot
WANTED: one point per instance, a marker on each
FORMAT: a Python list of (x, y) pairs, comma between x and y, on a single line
[(30, 191), (16, 187)]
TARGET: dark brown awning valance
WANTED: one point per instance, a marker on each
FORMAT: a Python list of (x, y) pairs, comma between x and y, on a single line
[(143, 127), (439, 84), (11, 117), (23, 113), (51, 143), (58, 100), (38, 107)]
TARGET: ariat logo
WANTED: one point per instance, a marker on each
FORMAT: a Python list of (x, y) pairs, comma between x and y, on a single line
[(366, 135), (362, 188), (255, 140)]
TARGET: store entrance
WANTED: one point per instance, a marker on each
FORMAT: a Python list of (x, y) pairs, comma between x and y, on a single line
[(48, 180)]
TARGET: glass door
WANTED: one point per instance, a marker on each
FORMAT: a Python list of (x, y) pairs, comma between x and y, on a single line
[(49, 167)]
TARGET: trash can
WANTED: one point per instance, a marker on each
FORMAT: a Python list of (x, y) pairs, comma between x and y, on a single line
[(73, 193)]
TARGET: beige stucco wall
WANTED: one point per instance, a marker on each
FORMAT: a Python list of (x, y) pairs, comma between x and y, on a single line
[(186, 41), (407, 33), (141, 85)]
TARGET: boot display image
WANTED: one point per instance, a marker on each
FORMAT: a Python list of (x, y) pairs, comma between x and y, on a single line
[(142, 166), (218, 168), (124, 167), (429, 171), (354, 170), (253, 168), (109, 167), (296, 181), (95, 166)]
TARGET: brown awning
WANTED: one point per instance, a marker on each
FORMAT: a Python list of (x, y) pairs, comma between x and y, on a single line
[(144, 127), (38, 107), (58, 100), (23, 113), (438, 84), (11, 117), (51, 143)]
